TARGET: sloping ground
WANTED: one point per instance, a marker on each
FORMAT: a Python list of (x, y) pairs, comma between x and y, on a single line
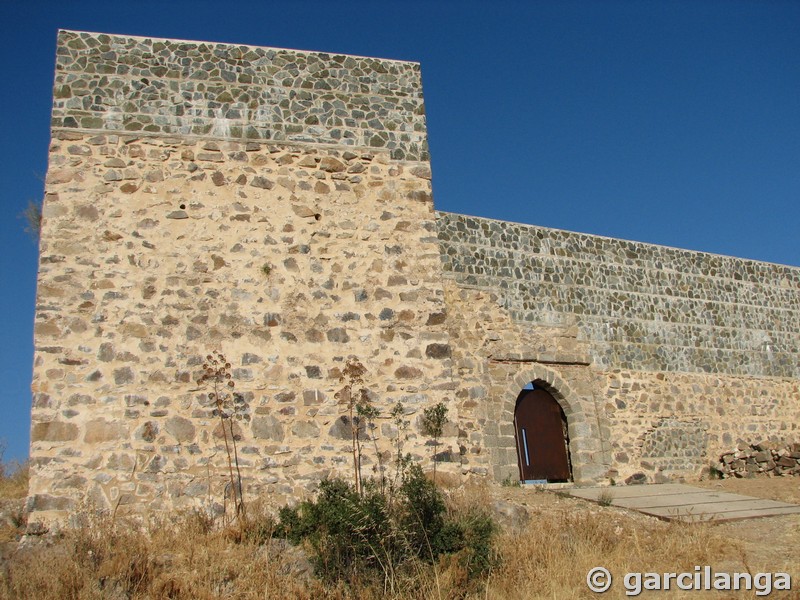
[(548, 543), (763, 545), (774, 541), (783, 489)]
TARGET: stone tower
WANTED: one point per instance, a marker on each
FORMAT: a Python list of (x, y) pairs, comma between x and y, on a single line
[(274, 205)]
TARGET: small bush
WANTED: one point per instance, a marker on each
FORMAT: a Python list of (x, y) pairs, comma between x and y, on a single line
[(421, 516), (605, 498), (477, 555), (380, 534), (349, 533), (32, 215)]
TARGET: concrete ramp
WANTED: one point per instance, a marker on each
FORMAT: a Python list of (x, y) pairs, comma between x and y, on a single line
[(680, 502)]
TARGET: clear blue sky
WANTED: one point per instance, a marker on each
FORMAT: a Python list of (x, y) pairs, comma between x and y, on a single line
[(675, 123)]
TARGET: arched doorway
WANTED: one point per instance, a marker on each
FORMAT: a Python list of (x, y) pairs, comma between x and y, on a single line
[(542, 437)]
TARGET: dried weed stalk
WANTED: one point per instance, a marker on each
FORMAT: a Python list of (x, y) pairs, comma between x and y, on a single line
[(360, 410), (217, 372)]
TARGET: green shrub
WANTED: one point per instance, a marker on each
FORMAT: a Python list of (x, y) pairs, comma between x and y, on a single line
[(477, 554), (421, 516), (381, 533), (347, 532)]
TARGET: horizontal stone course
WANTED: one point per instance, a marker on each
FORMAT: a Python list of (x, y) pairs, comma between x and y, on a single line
[(510, 236), (165, 87), (276, 205), (640, 305)]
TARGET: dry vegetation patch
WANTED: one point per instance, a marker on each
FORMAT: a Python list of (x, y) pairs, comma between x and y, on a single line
[(179, 558), (769, 544), (546, 546), (13, 489)]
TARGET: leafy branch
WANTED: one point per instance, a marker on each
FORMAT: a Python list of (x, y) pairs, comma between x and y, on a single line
[(434, 419)]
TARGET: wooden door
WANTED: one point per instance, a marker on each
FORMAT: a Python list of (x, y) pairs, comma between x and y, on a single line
[(541, 437)]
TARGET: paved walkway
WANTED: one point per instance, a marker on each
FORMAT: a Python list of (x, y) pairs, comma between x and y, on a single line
[(676, 501)]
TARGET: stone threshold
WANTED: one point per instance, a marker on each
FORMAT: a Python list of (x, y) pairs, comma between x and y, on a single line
[(685, 503)]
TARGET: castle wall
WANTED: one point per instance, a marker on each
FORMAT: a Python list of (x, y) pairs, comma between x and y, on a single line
[(167, 236), (275, 205), (643, 306), (683, 354), (225, 91)]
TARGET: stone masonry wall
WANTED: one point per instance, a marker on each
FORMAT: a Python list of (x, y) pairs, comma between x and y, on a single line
[(276, 205), (681, 423), (289, 257), (495, 357), (227, 91), (682, 354), (643, 307)]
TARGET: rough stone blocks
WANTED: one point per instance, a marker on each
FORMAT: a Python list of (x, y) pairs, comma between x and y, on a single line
[(276, 206)]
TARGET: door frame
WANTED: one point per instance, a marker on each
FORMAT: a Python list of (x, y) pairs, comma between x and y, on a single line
[(589, 426)]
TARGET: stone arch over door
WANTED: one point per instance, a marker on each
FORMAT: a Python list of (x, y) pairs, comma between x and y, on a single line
[(585, 447)]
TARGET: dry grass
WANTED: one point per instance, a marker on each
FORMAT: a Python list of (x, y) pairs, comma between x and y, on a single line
[(184, 558), (188, 557), (13, 489), (178, 558), (13, 480), (551, 557)]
